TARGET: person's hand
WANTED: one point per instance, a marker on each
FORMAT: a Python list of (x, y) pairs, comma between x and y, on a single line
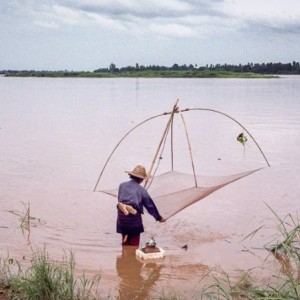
[(162, 220)]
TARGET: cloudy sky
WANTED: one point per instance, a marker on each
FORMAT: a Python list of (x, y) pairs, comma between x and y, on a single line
[(89, 34)]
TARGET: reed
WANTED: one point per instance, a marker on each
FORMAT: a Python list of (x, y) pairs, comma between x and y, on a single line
[(168, 296), (25, 218), (46, 279)]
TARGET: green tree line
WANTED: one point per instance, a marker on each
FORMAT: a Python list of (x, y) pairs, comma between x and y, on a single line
[(263, 68), (191, 69)]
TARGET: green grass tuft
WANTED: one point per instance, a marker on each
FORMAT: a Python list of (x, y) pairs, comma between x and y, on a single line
[(287, 286), (46, 279)]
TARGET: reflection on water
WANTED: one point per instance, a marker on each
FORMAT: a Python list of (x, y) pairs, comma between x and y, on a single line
[(137, 277)]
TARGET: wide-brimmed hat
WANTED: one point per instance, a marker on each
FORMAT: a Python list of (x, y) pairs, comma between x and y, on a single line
[(139, 172)]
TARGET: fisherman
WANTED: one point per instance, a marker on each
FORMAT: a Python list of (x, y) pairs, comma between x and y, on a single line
[(132, 198)]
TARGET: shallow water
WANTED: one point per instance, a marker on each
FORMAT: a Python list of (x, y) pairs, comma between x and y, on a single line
[(56, 135)]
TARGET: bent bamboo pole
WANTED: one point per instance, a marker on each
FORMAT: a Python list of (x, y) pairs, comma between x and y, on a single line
[(121, 140), (221, 113)]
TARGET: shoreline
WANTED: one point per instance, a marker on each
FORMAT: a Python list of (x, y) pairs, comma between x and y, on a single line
[(140, 74)]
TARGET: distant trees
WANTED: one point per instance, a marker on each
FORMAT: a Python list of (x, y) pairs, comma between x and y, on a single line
[(112, 67), (263, 68)]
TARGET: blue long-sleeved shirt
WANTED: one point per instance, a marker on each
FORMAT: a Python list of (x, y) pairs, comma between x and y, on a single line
[(132, 193)]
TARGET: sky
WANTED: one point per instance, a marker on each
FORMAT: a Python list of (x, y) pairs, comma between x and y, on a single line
[(84, 35)]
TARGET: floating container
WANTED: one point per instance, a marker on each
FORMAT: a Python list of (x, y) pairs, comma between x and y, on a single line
[(150, 251)]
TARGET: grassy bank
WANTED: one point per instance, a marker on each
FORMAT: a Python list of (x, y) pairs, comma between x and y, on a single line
[(282, 286), (45, 279), (142, 74)]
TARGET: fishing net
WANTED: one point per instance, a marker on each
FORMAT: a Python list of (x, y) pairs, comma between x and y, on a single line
[(174, 191), (175, 183)]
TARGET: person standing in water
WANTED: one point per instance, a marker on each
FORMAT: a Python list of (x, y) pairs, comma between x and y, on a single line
[(132, 198)]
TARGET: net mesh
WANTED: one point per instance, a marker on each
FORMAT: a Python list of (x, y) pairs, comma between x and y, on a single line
[(174, 191)]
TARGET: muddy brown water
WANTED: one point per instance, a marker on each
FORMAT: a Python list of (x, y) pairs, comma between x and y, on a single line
[(56, 135)]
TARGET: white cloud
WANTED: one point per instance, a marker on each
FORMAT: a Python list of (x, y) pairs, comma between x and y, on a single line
[(271, 13), (172, 30), (140, 25), (174, 18), (105, 21), (51, 25), (142, 8), (67, 15), (170, 6)]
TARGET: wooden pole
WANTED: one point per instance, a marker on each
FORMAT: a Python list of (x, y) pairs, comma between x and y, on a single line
[(190, 148), (172, 141), (161, 141)]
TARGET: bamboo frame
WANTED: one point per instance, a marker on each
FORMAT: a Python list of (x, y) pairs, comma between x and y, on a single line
[(168, 126)]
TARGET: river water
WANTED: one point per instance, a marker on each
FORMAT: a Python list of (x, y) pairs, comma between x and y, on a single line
[(56, 135)]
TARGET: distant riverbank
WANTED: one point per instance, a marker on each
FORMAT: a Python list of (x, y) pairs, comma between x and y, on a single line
[(141, 74)]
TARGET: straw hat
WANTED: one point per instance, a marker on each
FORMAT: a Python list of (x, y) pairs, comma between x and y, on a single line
[(138, 171)]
